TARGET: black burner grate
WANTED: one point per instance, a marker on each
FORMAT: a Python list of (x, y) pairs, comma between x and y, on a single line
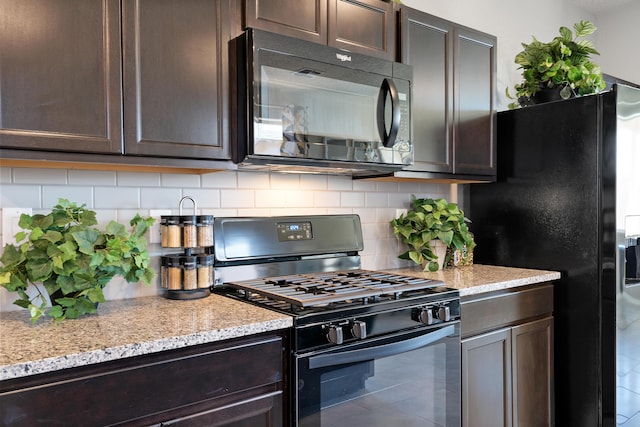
[(309, 290)]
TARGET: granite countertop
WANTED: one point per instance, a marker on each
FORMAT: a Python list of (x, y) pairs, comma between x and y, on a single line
[(477, 278), (133, 327), (125, 328)]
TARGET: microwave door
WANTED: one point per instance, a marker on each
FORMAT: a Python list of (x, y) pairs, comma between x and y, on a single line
[(313, 110)]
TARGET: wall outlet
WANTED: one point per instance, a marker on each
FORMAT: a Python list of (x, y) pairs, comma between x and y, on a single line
[(154, 231), (10, 220), (400, 212)]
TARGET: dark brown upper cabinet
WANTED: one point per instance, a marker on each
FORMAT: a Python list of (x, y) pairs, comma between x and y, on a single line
[(361, 26), (454, 81), (68, 87), (60, 85), (175, 78)]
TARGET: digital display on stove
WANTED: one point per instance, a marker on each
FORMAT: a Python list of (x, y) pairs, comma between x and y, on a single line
[(288, 231)]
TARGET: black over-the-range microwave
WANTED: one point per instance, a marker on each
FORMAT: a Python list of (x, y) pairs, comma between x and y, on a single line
[(297, 105)]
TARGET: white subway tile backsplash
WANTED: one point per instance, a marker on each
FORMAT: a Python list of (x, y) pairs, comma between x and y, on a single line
[(179, 180), (121, 195), (339, 182), (226, 179), (126, 197), (285, 181), (376, 200), (160, 198), (364, 185), (254, 212), (326, 199), (400, 200), (137, 179), (253, 180), (284, 198), (39, 176), (20, 196), (313, 182), (82, 177), (237, 198), (74, 193), (204, 197), (387, 187), (352, 199), (5, 175)]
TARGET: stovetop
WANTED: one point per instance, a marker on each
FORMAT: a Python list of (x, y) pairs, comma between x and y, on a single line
[(322, 289)]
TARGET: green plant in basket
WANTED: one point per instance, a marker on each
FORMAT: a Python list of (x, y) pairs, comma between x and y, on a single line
[(72, 259), (429, 220)]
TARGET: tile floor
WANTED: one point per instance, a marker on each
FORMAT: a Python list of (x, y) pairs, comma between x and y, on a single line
[(628, 372)]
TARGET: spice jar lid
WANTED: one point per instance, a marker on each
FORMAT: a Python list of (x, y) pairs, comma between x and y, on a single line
[(187, 220), (204, 219), (189, 262), (170, 219)]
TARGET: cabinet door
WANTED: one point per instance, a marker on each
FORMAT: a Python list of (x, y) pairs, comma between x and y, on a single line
[(486, 380), (427, 46), (363, 26), (175, 78), (306, 19), (532, 353), (474, 92), (60, 81)]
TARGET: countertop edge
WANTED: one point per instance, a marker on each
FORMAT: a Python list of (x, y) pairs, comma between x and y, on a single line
[(108, 354)]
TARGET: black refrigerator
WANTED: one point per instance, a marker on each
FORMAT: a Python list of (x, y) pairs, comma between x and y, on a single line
[(567, 198)]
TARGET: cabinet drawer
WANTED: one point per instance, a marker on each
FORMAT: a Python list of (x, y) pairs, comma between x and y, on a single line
[(496, 310)]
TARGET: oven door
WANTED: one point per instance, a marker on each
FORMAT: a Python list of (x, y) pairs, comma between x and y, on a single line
[(408, 379)]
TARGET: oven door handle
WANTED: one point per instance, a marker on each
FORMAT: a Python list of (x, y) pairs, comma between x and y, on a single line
[(385, 350)]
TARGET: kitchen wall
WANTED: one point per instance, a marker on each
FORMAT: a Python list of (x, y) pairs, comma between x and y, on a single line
[(120, 195)]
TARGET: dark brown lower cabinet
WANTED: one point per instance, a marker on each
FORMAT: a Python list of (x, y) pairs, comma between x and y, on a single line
[(233, 383), (507, 359)]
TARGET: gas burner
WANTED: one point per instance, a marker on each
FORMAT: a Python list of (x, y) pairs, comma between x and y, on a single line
[(321, 289)]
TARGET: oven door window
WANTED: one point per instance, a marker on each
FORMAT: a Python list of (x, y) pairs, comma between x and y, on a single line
[(416, 387)]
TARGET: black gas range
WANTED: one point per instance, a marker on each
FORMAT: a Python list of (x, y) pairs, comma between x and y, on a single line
[(352, 327)]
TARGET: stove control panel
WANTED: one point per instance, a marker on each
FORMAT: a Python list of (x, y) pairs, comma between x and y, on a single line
[(437, 313)]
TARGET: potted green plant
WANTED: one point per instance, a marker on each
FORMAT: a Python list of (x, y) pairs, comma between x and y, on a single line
[(72, 259), (562, 67), (428, 221)]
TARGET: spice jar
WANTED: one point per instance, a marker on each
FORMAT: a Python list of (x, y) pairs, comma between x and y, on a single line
[(189, 234), (205, 271), (204, 224), (190, 276), (174, 273), (173, 232)]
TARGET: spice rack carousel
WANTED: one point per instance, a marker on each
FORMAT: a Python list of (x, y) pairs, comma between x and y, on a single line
[(189, 274)]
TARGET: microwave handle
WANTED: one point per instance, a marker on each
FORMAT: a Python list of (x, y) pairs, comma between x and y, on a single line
[(376, 352), (388, 87)]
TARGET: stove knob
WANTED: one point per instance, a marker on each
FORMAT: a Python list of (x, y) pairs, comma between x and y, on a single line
[(334, 334), (426, 316), (444, 313), (359, 329)]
